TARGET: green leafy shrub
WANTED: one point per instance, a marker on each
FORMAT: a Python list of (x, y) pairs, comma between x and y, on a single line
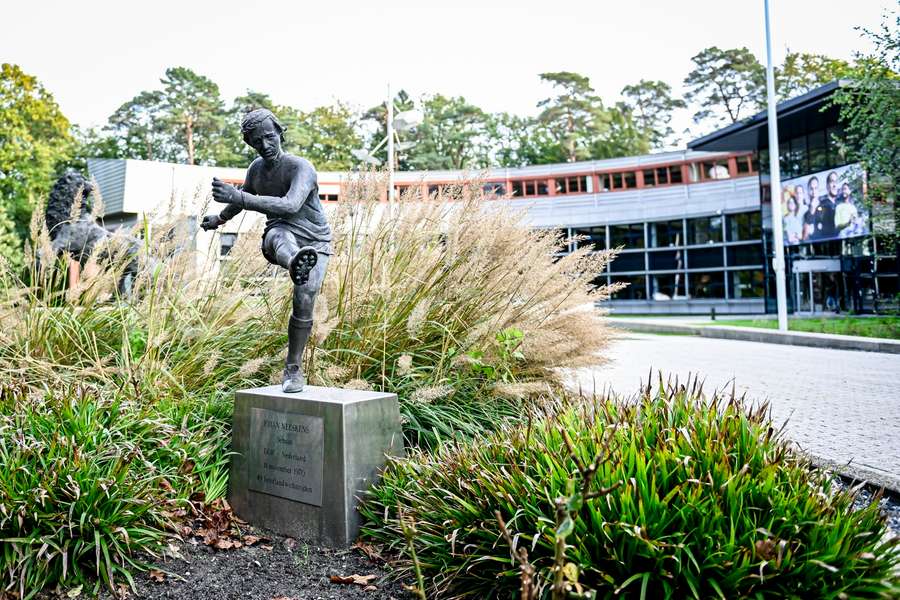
[(694, 498), (74, 499), (87, 481)]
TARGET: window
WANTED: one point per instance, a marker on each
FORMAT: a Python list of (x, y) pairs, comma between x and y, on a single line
[(714, 169), (328, 197), (747, 284), (626, 180), (605, 182), (493, 189), (617, 181), (798, 156), (636, 289), (662, 176), (594, 237), (708, 285), (817, 146), (627, 261), (694, 172), (629, 236), (750, 254), (666, 233), (571, 185), (529, 187), (706, 258), (744, 226), (437, 190), (666, 261), (744, 164), (226, 243), (666, 287), (705, 230)]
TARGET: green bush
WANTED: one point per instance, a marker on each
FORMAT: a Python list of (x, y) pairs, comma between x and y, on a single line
[(710, 503), (87, 481)]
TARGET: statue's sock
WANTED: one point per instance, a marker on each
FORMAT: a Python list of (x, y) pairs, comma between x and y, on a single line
[(298, 335)]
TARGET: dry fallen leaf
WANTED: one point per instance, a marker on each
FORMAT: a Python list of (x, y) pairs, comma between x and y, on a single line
[(370, 588), (369, 550), (227, 544), (157, 576), (250, 540), (362, 580)]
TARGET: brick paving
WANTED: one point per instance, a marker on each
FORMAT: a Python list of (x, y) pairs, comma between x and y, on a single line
[(841, 405)]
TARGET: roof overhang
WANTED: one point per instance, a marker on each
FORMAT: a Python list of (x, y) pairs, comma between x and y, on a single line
[(795, 116)]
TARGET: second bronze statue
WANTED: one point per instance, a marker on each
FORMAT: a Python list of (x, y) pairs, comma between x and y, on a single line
[(297, 236)]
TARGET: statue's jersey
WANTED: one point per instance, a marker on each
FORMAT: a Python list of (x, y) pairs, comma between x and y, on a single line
[(288, 194)]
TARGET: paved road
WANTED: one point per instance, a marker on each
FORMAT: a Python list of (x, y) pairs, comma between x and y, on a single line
[(840, 405)]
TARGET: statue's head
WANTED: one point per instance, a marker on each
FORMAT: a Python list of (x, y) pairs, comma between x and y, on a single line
[(263, 132)]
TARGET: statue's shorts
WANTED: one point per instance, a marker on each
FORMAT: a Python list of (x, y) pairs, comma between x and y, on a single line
[(280, 245)]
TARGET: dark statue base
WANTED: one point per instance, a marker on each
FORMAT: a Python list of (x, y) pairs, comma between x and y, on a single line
[(303, 459)]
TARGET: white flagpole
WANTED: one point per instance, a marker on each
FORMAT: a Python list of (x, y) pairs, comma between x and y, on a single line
[(775, 180)]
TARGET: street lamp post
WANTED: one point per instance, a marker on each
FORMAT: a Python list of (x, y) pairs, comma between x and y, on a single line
[(775, 180), (390, 149)]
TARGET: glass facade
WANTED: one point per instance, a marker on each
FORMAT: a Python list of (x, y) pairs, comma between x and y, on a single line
[(718, 257)]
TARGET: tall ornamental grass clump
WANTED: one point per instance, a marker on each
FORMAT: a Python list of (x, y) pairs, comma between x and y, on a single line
[(669, 496), (454, 304)]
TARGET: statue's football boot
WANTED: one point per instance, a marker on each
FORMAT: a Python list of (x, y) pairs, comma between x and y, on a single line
[(293, 379), (302, 264)]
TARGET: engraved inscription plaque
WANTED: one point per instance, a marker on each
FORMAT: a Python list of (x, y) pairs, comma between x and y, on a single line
[(285, 455)]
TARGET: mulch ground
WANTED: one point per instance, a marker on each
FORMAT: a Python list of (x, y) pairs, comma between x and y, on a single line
[(214, 555), (276, 568)]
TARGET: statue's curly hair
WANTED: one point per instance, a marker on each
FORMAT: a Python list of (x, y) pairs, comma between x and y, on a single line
[(63, 195), (256, 116)]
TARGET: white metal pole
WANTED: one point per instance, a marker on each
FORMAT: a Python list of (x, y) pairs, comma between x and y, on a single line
[(390, 150), (775, 180)]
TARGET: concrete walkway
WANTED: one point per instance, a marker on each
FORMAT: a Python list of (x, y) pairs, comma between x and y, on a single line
[(706, 328), (841, 406)]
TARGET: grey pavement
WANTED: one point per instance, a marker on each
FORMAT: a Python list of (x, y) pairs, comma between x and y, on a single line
[(841, 405)]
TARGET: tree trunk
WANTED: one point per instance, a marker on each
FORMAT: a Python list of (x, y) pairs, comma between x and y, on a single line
[(189, 131)]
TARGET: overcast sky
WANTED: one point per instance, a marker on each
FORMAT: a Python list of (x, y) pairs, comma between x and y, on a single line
[(95, 55)]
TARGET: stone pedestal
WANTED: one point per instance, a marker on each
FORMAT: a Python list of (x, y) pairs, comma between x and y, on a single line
[(303, 459)]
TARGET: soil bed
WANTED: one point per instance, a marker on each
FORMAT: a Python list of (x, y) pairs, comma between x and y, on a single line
[(281, 568)]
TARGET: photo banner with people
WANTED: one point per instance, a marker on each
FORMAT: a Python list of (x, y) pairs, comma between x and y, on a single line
[(824, 206)]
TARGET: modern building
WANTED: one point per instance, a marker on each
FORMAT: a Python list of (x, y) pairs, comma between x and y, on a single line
[(839, 255), (693, 230)]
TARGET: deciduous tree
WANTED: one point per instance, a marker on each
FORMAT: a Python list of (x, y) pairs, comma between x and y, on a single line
[(35, 139), (802, 72)]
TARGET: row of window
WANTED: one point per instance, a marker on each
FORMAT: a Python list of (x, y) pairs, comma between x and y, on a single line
[(817, 151), (741, 285), (672, 233), (693, 258), (582, 184)]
